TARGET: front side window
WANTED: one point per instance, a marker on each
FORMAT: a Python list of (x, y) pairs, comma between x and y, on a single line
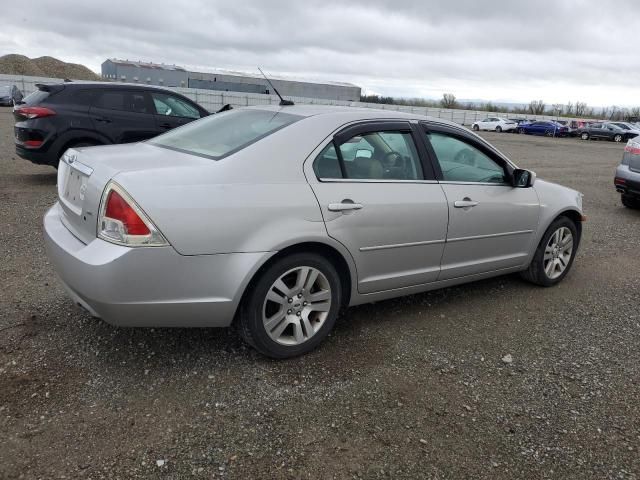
[(462, 162), (223, 134), (381, 156), (173, 106)]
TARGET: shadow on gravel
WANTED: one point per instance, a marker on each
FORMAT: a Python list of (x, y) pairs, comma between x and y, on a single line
[(36, 178)]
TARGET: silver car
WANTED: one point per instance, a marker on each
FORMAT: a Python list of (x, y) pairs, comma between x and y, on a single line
[(277, 218)]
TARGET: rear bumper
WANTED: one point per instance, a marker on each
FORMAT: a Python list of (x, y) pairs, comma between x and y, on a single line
[(148, 286), (39, 157), (626, 181)]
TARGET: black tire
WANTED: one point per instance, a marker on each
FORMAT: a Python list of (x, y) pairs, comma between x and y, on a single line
[(475, 128), (630, 201), (499, 129), (548, 133), (617, 138), (584, 136), (535, 273), (521, 131), (250, 320)]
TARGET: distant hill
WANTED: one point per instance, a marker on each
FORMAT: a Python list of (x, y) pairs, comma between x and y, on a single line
[(14, 64)]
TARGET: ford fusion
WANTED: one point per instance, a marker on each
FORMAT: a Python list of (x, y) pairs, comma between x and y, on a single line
[(278, 218)]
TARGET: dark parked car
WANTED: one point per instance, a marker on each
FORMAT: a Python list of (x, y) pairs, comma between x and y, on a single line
[(627, 179), (605, 131), (10, 95), (78, 114), (548, 128)]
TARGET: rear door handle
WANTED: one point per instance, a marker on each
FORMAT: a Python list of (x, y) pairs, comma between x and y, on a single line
[(165, 125), (102, 119), (344, 206), (464, 203)]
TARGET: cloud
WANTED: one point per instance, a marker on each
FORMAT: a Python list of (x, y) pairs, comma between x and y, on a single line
[(500, 50)]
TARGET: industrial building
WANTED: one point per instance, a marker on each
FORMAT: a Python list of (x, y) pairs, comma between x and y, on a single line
[(222, 80)]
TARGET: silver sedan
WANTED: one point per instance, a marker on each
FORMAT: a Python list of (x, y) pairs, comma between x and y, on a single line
[(278, 218)]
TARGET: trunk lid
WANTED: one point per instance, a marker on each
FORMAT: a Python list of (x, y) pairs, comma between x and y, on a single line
[(83, 174)]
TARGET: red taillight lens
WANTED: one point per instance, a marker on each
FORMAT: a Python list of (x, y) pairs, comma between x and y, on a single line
[(619, 181), (32, 143), (118, 209), (34, 112)]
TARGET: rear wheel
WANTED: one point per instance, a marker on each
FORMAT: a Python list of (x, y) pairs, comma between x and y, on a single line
[(584, 136), (292, 306), (476, 128), (548, 133), (617, 138), (555, 253), (521, 131), (499, 129), (630, 201)]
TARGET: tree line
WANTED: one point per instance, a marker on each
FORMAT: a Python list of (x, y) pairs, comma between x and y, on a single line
[(535, 107)]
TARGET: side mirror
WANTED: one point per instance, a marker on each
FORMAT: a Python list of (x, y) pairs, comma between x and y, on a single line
[(523, 178)]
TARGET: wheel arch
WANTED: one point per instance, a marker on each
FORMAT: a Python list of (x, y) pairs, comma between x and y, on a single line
[(68, 140), (340, 259)]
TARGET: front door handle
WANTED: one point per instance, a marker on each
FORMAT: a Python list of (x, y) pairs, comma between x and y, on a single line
[(165, 125), (344, 206), (102, 119), (466, 202)]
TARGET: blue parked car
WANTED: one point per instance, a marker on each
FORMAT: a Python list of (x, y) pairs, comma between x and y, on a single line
[(547, 128)]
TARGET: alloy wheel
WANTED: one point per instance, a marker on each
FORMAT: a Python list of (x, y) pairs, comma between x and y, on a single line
[(557, 253), (617, 138), (296, 305)]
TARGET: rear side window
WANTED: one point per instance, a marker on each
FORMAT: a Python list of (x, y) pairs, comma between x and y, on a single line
[(123, 100), (36, 97), (223, 134)]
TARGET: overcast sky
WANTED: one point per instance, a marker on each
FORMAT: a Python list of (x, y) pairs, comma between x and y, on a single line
[(509, 50)]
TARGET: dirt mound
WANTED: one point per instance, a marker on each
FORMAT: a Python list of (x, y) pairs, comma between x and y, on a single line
[(44, 67)]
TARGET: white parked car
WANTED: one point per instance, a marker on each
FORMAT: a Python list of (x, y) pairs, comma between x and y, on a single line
[(496, 124)]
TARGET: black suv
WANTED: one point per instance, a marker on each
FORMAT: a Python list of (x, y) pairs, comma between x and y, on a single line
[(78, 114)]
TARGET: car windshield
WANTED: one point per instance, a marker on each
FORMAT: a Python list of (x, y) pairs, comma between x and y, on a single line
[(222, 134)]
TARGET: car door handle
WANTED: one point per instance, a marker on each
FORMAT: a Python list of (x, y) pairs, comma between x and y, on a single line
[(165, 125), (102, 119), (465, 203), (344, 206)]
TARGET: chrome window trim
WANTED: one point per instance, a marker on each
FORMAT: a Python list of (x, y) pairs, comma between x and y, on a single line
[(367, 180), (450, 182)]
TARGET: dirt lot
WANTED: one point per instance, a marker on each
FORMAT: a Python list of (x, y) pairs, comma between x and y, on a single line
[(408, 388)]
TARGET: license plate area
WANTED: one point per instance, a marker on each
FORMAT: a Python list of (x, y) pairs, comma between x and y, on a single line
[(72, 185)]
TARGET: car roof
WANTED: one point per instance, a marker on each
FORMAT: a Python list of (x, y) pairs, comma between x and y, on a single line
[(116, 85), (351, 113)]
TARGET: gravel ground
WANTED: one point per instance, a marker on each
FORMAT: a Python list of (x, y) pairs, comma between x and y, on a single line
[(408, 388)]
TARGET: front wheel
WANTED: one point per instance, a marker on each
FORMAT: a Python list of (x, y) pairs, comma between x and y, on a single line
[(521, 131), (499, 129), (584, 136), (292, 307), (475, 128), (617, 138), (555, 253)]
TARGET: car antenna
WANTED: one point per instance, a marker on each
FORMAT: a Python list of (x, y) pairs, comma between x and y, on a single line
[(283, 102)]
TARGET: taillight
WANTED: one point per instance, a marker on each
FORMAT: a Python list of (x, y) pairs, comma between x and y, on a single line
[(32, 143), (33, 112), (123, 222), (619, 181)]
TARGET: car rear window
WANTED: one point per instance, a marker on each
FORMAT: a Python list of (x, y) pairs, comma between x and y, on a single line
[(36, 97), (222, 134)]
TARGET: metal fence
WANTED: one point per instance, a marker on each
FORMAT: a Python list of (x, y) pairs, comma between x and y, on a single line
[(213, 100)]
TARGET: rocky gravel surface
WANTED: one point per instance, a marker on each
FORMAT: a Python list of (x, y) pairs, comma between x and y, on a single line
[(497, 379)]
